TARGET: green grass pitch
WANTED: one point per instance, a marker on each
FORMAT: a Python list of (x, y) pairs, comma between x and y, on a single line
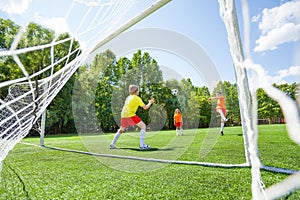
[(32, 172)]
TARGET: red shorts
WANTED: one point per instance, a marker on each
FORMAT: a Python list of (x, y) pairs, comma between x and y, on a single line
[(223, 111), (130, 121), (178, 124)]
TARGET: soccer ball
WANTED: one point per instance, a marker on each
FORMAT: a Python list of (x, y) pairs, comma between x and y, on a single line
[(174, 92)]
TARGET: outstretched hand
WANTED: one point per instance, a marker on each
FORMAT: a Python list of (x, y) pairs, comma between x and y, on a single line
[(152, 100)]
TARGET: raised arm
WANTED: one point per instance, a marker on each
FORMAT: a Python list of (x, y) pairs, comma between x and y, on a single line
[(212, 98), (151, 101)]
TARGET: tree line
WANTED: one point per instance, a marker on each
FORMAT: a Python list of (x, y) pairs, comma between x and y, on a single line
[(104, 82)]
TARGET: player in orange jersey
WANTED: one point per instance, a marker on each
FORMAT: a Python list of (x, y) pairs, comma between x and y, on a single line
[(221, 109), (178, 122)]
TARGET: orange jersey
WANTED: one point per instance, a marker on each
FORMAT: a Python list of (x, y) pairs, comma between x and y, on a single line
[(221, 103), (177, 117)]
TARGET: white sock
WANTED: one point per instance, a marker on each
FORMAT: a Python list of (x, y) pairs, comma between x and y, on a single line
[(116, 137), (222, 126), (142, 137)]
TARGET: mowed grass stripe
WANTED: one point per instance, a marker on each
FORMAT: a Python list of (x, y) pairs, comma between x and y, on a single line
[(48, 174)]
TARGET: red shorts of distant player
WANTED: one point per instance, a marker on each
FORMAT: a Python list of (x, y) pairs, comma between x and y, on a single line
[(178, 124), (223, 111), (130, 121)]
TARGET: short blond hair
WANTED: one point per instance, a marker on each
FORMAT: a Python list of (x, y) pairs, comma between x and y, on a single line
[(177, 110), (133, 89)]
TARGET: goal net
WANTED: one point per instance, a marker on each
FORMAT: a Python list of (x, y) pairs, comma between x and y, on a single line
[(38, 58), (54, 59), (248, 103)]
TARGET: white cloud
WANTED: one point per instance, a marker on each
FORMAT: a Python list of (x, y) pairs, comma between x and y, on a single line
[(14, 6), (292, 71), (279, 25), (58, 24), (89, 3), (255, 18)]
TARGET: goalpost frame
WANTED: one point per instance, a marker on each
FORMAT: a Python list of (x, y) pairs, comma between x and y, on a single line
[(132, 22), (231, 23), (43, 125), (247, 104)]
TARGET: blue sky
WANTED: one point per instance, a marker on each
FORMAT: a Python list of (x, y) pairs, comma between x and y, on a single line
[(200, 21), (274, 33)]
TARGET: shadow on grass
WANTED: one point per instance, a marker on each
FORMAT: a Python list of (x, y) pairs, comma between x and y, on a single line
[(152, 149)]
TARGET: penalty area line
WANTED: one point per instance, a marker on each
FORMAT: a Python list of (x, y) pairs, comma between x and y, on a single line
[(205, 164)]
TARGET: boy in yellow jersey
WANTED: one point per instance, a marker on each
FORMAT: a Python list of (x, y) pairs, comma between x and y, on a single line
[(221, 109), (129, 117), (178, 121)]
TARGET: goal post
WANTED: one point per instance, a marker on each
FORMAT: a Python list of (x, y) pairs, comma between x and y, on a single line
[(228, 13), (43, 126), (132, 22), (248, 103)]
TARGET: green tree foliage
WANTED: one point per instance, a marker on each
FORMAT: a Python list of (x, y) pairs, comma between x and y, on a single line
[(84, 96), (232, 103), (114, 80), (103, 87), (172, 102), (60, 117), (189, 105), (60, 113), (269, 110), (204, 103), (8, 30), (36, 60), (109, 76), (146, 74)]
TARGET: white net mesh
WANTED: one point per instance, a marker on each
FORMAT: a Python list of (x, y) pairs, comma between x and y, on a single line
[(248, 103), (27, 98)]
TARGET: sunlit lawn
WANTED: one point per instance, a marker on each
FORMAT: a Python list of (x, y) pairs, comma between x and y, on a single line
[(32, 172)]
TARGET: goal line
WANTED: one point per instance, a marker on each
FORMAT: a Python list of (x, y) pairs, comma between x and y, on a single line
[(184, 162)]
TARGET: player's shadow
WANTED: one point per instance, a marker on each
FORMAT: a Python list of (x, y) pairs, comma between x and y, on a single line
[(152, 149)]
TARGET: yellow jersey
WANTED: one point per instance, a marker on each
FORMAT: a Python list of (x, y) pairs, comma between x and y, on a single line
[(131, 105)]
